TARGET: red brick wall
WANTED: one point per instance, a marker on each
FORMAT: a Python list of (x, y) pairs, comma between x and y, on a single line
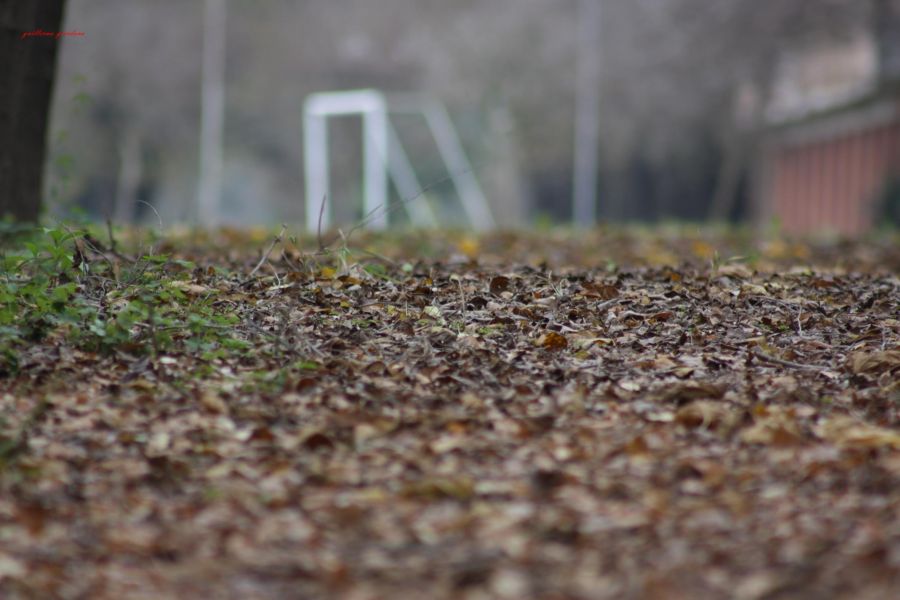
[(831, 184)]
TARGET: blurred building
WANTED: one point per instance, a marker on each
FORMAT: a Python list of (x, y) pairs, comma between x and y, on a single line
[(831, 157)]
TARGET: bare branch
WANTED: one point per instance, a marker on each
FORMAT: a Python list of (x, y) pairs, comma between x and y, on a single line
[(271, 247)]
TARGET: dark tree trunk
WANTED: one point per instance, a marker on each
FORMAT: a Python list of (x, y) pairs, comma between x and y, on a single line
[(26, 87), (741, 142)]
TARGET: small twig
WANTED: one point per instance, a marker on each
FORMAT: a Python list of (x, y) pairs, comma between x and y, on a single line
[(151, 250), (99, 248), (265, 256), (156, 212), (151, 320), (319, 225), (183, 327), (367, 218), (607, 304), (294, 267), (281, 340), (785, 363), (258, 330), (87, 240), (380, 257), (275, 273), (109, 233)]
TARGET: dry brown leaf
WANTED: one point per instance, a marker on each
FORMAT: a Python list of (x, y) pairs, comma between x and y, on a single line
[(213, 402), (874, 362), (499, 285), (191, 288), (773, 428), (426, 428), (599, 290), (553, 341), (433, 488), (851, 433), (704, 413)]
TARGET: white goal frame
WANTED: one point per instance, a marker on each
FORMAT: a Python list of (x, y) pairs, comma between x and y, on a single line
[(383, 156)]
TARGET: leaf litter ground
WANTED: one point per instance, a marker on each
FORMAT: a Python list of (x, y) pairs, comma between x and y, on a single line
[(614, 415)]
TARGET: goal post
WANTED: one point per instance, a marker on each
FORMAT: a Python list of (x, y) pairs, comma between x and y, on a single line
[(373, 108), (383, 155)]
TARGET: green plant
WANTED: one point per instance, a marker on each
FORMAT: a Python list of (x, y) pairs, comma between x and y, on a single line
[(54, 282)]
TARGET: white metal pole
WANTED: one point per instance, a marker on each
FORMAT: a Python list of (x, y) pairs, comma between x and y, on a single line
[(375, 161), (315, 161), (587, 113), (404, 176), (450, 148), (212, 109)]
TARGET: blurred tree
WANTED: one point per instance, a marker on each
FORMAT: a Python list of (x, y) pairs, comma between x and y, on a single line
[(131, 87), (27, 86)]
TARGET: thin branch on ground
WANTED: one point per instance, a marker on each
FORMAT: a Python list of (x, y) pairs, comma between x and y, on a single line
[(322, 246), (785, 363), (271, 247)]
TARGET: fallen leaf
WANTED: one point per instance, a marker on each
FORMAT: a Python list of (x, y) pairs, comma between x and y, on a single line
[(850, 433), (874, 362), (499, 285), (553, 341)]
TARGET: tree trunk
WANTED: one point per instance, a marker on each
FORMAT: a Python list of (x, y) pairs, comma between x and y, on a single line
[(728, 178), (26, 81), (741, 141)]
